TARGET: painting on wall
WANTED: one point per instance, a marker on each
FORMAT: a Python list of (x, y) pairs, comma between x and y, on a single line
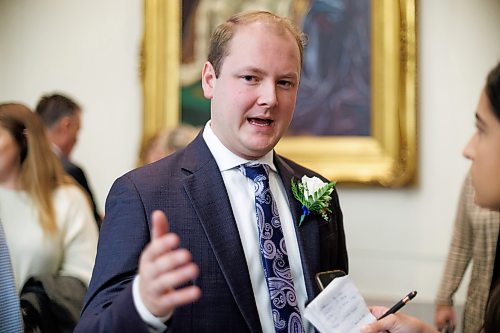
[(355, 119), (334, 94)]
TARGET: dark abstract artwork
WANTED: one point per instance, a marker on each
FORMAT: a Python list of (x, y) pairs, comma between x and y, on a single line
[(334, 93)]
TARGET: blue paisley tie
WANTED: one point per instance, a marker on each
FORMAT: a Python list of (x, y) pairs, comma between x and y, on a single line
[(10, 310), (277, 272)]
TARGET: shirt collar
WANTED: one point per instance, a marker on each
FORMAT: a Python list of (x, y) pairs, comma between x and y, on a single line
[(56, 150), (225, 158)]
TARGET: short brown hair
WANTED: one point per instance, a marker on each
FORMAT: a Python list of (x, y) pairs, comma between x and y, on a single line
[(219, 42), (53, 107)]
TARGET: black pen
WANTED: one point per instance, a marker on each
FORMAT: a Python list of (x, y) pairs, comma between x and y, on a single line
[(399, 304)]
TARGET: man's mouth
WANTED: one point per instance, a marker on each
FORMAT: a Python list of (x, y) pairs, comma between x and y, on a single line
[(260, 121)]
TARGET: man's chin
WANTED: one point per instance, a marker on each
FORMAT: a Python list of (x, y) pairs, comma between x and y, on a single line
[(257, 151)]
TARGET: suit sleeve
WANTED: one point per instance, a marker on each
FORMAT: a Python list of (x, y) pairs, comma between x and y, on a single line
[(109, 305)]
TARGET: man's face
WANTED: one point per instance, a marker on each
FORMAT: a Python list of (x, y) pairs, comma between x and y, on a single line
[(253, 99), (70, 127), (483, 150)]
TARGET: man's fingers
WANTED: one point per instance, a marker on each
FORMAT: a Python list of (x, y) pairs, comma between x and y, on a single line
[(160, 247), (158, 262), (159, 224), (175, 278), (172, 260), (163, 267), (180, 297), (160, 295)]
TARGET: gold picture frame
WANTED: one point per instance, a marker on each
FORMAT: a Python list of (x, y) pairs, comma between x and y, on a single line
[(388, 157)]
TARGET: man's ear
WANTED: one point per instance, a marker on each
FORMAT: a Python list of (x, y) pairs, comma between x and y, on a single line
[(61, 125), (208, 80), (65, 122)]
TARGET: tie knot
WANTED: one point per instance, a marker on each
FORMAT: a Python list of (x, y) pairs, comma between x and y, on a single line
[(256, 172)]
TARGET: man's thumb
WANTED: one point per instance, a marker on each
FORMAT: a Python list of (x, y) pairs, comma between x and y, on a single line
[(160, 224)]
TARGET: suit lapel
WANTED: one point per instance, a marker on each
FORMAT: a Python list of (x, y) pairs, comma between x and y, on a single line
[(308, 234), (205, 188)]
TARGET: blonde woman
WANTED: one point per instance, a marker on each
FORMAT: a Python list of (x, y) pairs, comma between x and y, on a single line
[(48, 222), (164, 142)]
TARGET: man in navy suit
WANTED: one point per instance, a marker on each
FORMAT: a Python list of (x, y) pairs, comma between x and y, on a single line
[(201, 271)]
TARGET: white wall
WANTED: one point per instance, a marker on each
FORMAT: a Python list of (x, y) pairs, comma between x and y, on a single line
[(90, 50), (397, 238)]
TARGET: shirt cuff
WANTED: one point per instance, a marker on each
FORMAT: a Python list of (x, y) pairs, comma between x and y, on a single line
[(155, 324)]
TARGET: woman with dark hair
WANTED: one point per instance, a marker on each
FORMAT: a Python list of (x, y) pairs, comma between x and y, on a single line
[(483, 150), (48, 223), (487, 180)]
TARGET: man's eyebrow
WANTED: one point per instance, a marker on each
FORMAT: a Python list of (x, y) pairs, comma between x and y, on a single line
[(259, 71), (253, 70), (292, 76)]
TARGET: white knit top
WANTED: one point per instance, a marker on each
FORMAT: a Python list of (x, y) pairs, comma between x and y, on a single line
[(70, 252)]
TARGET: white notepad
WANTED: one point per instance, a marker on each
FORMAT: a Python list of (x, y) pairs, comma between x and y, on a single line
[(339, 308)]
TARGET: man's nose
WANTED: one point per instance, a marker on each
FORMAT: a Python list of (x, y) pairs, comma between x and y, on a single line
[(267, 95)]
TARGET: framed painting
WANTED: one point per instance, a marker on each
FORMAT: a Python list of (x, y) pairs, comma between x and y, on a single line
[(354, 123)]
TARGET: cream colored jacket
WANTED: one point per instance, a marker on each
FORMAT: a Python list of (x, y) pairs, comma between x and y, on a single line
[(474, 240)]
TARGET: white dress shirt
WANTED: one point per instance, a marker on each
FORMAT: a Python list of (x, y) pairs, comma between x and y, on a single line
[(242, 197), (240, 190)]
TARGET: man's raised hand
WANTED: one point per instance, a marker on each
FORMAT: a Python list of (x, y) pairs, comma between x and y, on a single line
[(163, 267)]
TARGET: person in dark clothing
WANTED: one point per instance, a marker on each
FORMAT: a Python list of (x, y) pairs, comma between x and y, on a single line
[(62, 118)]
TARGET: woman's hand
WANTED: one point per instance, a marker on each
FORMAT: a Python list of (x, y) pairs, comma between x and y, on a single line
[(396, 323)]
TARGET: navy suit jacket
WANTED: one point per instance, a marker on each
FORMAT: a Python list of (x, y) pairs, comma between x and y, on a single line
[(188, 187)]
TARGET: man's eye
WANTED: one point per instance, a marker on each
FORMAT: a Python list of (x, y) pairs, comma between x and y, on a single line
[(285, 83), (249, 78)]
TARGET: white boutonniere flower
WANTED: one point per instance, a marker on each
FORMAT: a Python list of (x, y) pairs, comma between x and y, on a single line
[(314, 195)]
